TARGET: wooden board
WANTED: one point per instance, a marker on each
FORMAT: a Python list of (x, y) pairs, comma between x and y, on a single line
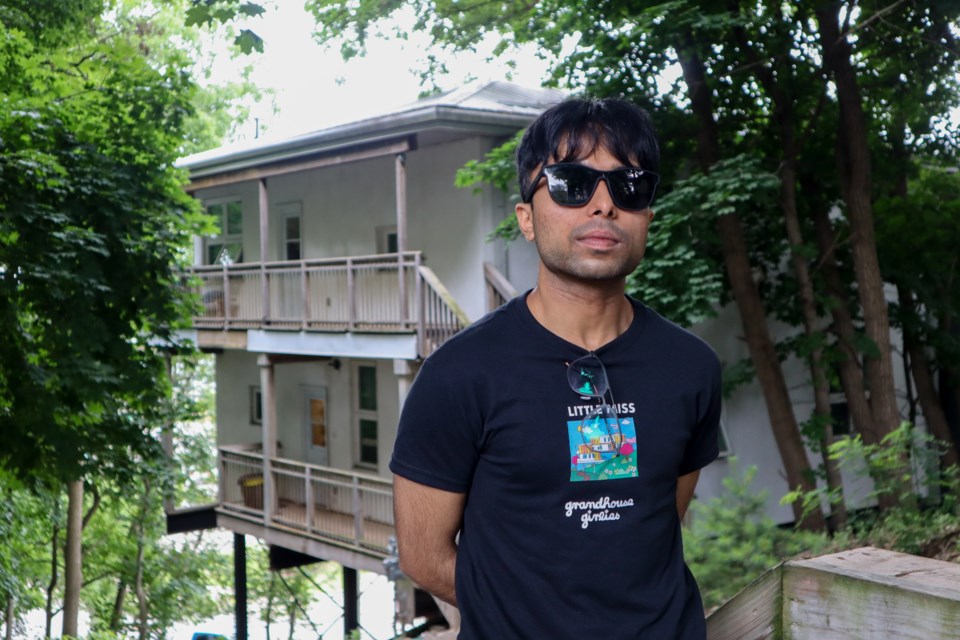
[(871, 594), (753, 614)]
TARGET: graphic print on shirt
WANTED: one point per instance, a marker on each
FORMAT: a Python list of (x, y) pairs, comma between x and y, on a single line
[(602, 448)]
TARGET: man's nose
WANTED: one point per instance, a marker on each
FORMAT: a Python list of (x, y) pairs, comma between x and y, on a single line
[(601, 203)]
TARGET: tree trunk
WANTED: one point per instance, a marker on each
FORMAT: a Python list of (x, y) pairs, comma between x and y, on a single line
[(116, 616), (73, 560), (851, 377), (11, 620), (926, 390), (818, 373), (856, 176), (268, 618), (784, 116), (747, 296), (142, 605), (54, 572)]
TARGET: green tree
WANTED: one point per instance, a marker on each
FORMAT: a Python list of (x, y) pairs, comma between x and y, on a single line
[(98, 103), (772, 81)]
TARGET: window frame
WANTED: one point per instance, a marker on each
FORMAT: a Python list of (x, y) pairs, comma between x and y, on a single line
[(256, 405), (225, 239), (361, 414), (285, 211)]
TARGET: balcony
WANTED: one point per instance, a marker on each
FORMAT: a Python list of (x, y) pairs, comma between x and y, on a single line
[(389, 293), (350, 510)]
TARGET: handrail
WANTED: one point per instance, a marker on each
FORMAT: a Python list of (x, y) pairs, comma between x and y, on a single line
[(440, 317), (499, 289), (434, 282)]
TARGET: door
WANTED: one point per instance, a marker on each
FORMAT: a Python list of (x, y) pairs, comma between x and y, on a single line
[(315, 425)]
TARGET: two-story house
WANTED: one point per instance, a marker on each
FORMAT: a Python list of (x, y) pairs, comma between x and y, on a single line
[(344, 257)]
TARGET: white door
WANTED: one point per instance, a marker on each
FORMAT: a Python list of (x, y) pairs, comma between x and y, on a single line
[(315, 425)]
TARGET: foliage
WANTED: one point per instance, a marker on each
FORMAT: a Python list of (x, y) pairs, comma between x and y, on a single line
[(210, 12), (94, 223), (929, 527), (98, 102), (730, 542), (917, 239)]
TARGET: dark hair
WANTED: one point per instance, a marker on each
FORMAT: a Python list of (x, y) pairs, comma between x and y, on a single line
[(578, 126)]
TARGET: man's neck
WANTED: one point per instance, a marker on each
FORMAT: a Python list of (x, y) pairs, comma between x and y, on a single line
[(587, 314)]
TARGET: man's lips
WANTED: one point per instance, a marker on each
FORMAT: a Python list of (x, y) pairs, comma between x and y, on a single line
[(599, 239)]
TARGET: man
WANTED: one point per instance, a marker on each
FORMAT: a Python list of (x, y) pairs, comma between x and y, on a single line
[(567, 502)]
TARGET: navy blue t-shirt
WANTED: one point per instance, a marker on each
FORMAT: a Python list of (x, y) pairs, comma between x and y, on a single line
[(559, 541)]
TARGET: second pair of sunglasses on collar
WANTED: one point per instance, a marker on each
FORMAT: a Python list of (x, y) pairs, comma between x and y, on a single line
[(572, 185)]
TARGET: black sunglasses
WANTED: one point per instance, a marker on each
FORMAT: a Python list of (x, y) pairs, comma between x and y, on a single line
[(600, 428), (572, 185)]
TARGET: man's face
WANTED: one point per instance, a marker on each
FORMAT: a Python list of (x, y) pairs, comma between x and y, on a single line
[(594, 242)]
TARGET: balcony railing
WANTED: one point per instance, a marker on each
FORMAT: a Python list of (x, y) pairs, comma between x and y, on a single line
[(390, 293), (348, 509)]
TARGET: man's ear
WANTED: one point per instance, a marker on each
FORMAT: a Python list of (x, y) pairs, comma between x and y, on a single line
[(525, 220)]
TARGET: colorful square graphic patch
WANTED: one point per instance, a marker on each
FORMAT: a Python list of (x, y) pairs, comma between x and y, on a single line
[(594, 448)]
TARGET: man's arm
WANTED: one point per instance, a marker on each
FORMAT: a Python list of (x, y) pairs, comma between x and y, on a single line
[(685, 486), (427, 522)]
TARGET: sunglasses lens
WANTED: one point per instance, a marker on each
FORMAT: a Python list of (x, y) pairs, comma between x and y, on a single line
[(570, 184), (632, 188), (587, 376)]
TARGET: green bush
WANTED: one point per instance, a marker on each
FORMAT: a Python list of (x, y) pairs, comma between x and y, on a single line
[(730, 542)]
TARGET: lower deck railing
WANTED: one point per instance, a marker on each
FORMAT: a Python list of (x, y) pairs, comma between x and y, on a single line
[(348, 509)]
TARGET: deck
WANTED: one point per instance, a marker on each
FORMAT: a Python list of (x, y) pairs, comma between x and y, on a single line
[(347, 509)]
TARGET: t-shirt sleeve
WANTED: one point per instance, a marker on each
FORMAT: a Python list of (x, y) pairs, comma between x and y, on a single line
[(704, 444), (438, 436)]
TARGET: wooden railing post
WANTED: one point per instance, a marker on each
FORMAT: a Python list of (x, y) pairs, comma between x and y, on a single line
[(226, 297), (304, 294), (351, 296), (357, 512), (308, 496), (221, 489)]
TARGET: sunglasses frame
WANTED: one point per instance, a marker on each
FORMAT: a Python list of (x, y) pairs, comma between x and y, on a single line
[(601, 414), (597, 175)]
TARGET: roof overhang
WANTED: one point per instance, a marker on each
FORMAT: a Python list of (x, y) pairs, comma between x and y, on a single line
[(363, 139)]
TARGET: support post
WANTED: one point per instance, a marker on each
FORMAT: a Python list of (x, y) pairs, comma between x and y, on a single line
[(240, 585), (401, 170), (269, 432), (351, 596), (264, 248)]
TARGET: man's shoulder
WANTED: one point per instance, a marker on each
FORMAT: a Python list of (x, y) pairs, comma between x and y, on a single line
[(675, 337), (494, 330)]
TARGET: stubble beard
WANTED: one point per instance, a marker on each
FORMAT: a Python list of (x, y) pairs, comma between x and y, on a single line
[(602, 268)]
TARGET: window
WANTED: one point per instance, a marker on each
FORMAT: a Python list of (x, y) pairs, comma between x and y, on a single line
[(722, 434), (839, 409), (291, 238), (387, 239), (226, 247), (256, 406), (366, 416), (291, 231), (840, 413)]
